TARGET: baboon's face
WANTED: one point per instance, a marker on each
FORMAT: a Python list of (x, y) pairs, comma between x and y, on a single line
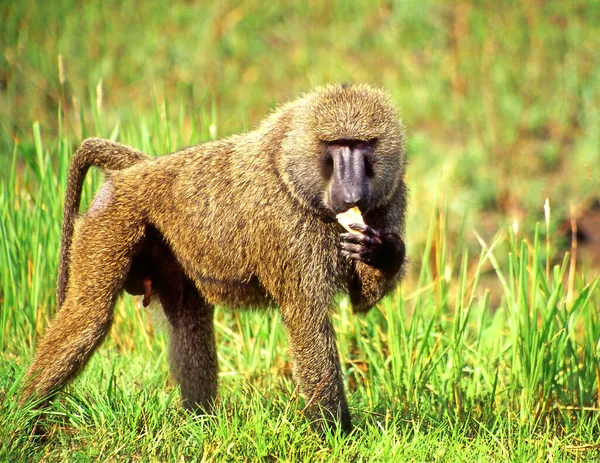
[(344, 149), (347, 167)]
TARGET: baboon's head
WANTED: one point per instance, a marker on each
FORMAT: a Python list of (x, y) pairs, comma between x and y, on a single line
[(345, 149)]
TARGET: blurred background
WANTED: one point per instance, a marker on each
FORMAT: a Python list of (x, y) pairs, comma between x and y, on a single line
[(476, 354), (501, 99)]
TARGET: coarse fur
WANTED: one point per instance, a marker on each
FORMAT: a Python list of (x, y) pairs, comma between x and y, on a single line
[(248, 221)]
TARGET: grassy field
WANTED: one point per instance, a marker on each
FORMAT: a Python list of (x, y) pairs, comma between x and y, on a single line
[(489, 349)]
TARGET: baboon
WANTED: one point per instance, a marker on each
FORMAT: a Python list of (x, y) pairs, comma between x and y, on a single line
[(94, 152), (247, 221)]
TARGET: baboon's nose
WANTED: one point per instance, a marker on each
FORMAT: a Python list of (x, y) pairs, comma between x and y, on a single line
[(352, 196), (350, 185)]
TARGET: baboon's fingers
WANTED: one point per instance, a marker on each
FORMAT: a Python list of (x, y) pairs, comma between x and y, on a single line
[(359, 247), (364, 229), (357, 256), (361, 239)]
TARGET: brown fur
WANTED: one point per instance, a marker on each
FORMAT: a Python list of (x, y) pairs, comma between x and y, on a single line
[(244, 221), (93, 152)]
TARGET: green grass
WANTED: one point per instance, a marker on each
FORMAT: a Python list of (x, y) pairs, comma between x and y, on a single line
[(489, 349), (435, 371)]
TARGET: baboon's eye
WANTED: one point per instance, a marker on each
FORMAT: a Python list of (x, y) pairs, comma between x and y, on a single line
[(361, 145), (368, 166), (327, 166)]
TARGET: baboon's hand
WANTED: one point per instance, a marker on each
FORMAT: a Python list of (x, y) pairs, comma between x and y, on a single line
[(384, 251)]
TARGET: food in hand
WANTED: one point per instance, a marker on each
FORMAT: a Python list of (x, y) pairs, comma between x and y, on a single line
[(350, 216)]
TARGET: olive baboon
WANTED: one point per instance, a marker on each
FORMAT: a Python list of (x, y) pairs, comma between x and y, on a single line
[(248, 221)]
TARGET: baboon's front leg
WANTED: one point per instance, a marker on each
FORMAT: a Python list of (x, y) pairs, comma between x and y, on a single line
[(192, 349), (316, 366), (100, 258)]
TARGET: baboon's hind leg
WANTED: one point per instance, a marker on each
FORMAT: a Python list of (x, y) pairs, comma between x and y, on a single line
[(192, 349), (101, 255)]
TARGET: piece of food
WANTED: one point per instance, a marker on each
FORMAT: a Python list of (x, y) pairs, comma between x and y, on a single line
[(350, 216)]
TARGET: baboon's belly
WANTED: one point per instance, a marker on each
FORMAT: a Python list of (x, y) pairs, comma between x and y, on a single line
[(232, 293)]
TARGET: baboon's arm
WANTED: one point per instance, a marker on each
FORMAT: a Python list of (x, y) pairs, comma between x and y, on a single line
[(317, 369), (379, 259)]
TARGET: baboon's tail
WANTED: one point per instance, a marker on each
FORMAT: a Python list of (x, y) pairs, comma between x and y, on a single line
[(97, 152)]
